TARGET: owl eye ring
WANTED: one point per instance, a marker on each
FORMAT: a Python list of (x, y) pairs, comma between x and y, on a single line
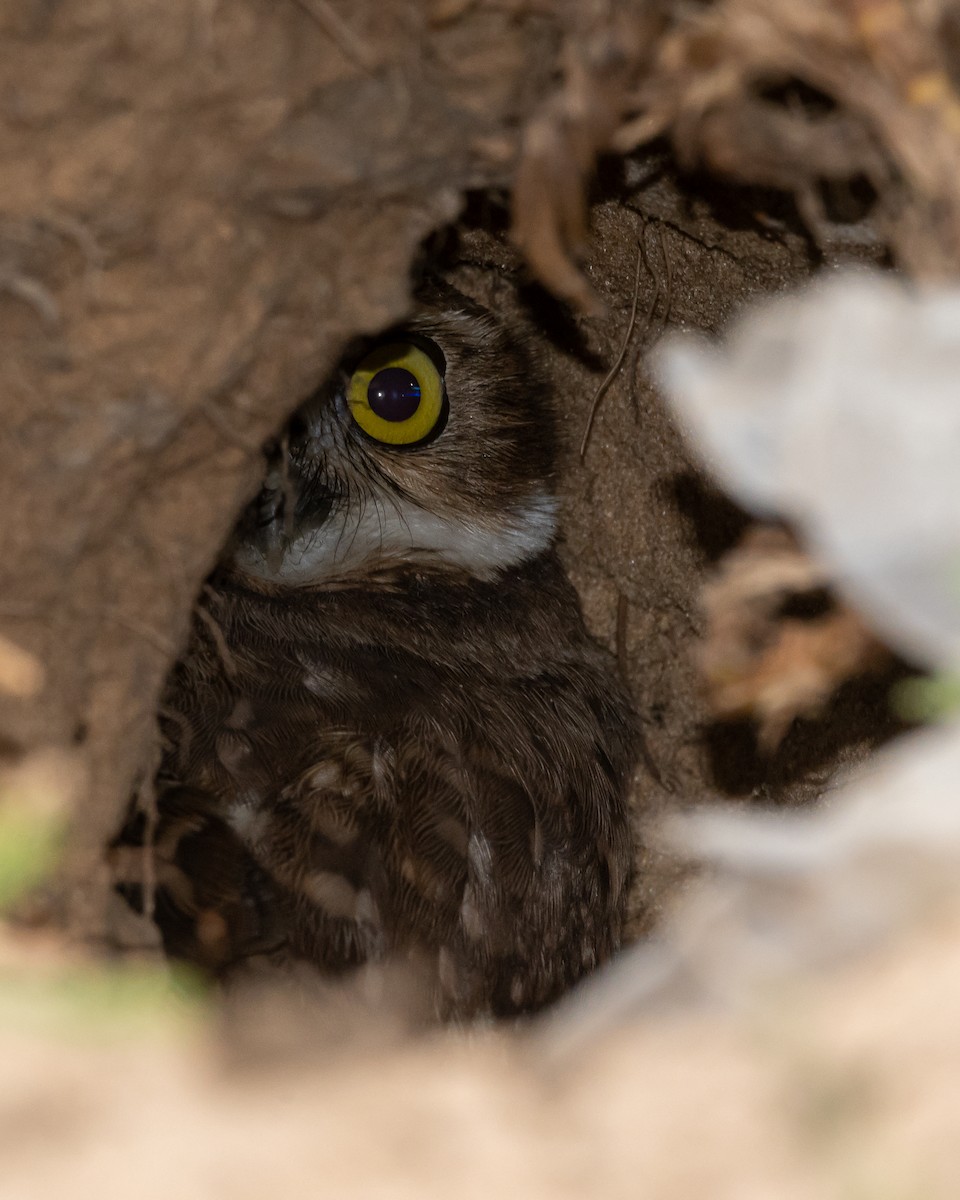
[(396, 394)]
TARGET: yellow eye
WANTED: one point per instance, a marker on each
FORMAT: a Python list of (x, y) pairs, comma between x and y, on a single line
[(396, 394)]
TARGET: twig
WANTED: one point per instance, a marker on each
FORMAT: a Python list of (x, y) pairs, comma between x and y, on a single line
[(623, 614), (32, 293), (611, 374), (668, 271), (667, 292), (219, 640), (153, 637), (339, 32), (147, 804), (209, 409)]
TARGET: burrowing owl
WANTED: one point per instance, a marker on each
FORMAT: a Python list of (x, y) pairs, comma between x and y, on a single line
[(391, 734)]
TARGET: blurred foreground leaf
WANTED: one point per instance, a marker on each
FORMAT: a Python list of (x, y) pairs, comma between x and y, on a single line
[(929, 698), (37, 795), (109, 1001), (48, 985), (30, 843)]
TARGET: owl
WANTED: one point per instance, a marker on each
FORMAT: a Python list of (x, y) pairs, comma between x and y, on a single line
[(390, 736)]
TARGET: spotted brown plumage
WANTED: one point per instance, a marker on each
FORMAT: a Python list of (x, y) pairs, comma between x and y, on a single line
[(391, 734)]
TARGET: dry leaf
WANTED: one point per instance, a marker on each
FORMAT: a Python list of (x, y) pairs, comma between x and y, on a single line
[(761, 663), (560, 148), (21, 673)]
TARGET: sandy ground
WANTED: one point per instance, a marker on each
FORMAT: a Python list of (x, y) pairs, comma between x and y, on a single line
[(834, 1086)]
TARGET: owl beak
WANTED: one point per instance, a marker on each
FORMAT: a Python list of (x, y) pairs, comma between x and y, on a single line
[(292, 505), (262, 527), (287, 507)]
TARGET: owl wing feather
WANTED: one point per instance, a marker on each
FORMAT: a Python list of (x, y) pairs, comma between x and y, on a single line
[(369, 777)]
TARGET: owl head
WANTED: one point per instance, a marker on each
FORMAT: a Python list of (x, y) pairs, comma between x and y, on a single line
[(431, 447)]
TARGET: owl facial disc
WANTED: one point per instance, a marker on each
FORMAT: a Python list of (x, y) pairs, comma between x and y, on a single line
[(432, 450)]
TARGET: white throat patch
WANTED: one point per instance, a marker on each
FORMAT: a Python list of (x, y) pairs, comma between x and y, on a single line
[(401, 532)]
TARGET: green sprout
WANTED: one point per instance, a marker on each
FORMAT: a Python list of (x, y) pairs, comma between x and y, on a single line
[(927, 698), (30, 844), (75, 997)]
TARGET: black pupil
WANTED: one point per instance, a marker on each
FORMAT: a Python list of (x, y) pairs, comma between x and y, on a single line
[(394, 394)]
